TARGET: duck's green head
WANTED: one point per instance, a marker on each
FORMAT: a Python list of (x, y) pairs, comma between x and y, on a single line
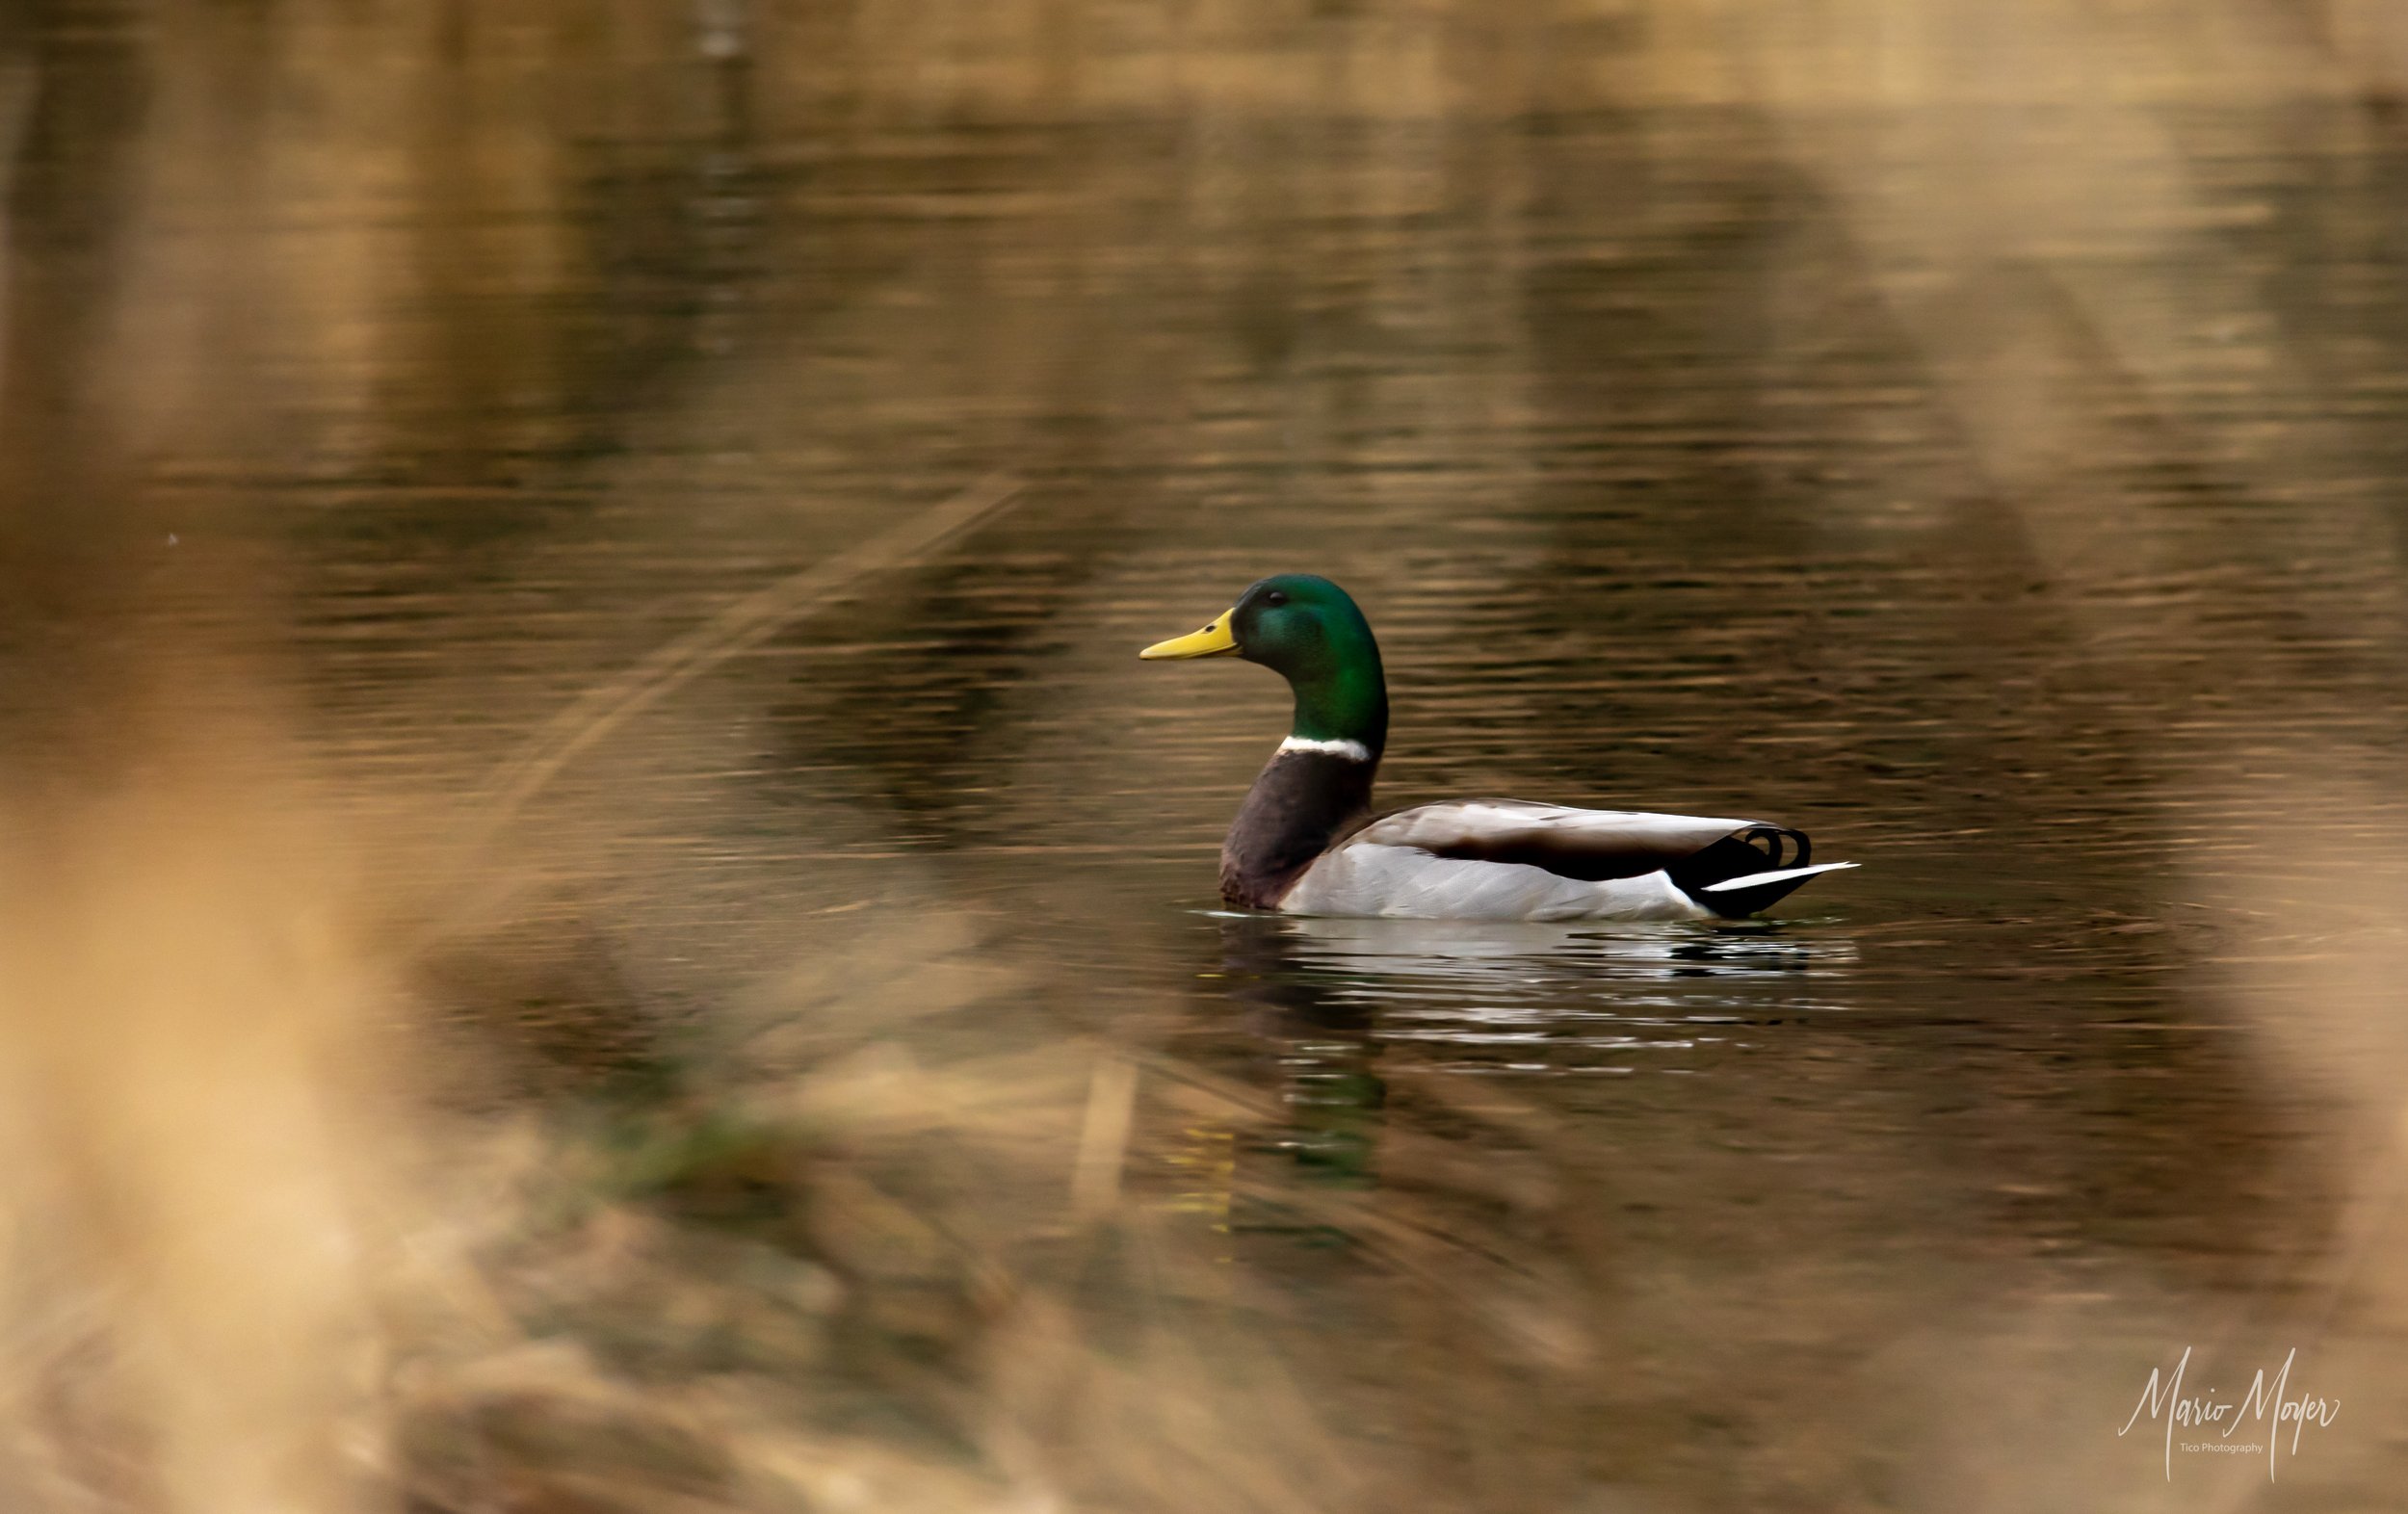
[(1308, 630)]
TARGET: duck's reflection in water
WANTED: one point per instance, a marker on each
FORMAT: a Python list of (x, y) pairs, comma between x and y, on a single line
[(1317, 1040), (1553, 991), (1323, 999)]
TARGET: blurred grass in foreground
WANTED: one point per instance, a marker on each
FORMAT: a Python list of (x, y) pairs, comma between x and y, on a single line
[(266, 1252), (309, 1213)]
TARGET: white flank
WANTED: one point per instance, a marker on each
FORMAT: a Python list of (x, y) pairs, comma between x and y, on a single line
[(1777, 875), (1351, 751), (1407, 883), (1437, 826)]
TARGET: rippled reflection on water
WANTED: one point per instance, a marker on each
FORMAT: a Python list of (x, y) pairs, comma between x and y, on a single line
[(2003, 484), (1549, 993)]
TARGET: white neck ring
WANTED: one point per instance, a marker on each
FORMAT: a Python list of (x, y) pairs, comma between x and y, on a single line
[(1351, 751)]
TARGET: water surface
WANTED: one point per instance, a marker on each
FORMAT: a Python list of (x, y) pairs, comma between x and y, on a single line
[(2007, 493)]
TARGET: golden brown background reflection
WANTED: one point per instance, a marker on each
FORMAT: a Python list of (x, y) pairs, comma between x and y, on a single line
[(596, 913)]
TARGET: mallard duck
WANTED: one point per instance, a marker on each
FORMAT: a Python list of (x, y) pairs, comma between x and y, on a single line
[(1305, 841)]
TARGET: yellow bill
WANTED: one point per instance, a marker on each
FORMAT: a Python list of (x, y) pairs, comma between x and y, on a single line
[(1211, 641)]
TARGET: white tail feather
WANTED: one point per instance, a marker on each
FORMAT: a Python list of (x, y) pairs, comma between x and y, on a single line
[(1777, 875)]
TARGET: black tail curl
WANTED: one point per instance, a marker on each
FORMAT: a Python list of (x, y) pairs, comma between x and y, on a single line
[(1758, 848)]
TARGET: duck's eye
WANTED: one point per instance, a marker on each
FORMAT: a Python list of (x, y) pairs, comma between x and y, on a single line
[(1276, 598)]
